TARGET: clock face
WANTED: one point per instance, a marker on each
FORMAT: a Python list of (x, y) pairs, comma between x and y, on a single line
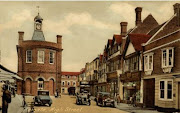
[(38, 26)]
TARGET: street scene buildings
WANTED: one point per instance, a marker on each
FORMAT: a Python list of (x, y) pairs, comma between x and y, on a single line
[(137, 69)]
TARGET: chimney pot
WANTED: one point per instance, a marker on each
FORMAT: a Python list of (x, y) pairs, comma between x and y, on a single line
[(123, 28), (138, 11)]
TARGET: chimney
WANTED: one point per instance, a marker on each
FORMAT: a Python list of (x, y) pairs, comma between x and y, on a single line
[(59, 40), (138, 11), (177, 12), (21, 36), (123, 28)]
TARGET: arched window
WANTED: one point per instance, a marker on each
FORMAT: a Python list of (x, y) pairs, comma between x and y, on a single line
[(40, 84)]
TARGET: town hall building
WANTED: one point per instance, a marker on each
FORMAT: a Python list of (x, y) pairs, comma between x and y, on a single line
[(39, 61)]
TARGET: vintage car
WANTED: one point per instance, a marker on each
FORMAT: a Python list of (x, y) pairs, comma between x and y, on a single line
[(83, 98), (43, 98), (104, 99)]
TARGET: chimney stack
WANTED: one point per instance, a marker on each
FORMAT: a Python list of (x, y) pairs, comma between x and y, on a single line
[(138, 11), (21, 36), (177, 12), (123, 28), (59, 40)]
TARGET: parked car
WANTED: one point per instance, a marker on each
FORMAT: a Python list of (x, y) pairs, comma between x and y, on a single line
[(104, 99), (83, 98), (43, 98)]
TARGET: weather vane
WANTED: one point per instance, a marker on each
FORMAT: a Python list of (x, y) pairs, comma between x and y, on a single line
[(38, 9)]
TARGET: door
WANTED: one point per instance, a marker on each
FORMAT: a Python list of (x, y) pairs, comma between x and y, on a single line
[(149, 92), (28, 84)]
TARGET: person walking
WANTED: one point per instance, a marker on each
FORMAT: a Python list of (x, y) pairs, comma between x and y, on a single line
[(6, 99), (118, 99)]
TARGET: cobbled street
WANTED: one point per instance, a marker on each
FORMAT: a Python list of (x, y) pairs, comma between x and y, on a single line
[(66, 104)]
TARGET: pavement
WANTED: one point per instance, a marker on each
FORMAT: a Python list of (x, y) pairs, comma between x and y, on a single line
[(131, 109), (16, 105)]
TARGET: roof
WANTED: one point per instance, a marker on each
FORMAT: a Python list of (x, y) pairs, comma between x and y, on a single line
[(6, 73), (5, 69), (38, 35), (100, 57), (109, 43), (38, 17), (167, 27), (70, 73), (146, 26), (138, 39), (118, 39)]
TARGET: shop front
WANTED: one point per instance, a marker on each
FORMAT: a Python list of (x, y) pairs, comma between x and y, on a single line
[(112, 84), (131, 84)]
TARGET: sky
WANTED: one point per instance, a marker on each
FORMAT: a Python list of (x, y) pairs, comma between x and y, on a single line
[(85, 26)]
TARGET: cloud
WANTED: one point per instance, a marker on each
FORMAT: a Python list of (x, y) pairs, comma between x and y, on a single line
[(17, 20), (71, 19), (127, 11)]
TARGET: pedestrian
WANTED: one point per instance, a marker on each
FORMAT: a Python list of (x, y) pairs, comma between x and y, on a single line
[(118, 99), (6, 99)]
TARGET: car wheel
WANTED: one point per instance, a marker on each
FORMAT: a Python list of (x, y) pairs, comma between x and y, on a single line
[(49, 105), (103, 104)]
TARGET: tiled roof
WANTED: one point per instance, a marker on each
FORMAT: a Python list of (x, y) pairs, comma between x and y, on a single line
[(169, 27), (70, 73), (146, 26), (100, 57), (118, 39), (138, 39)]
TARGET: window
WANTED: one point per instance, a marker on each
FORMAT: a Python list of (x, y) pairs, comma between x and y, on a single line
[(63, 76), (68, 83), (68, 76), (167, 57), (40, 84), (74, 83), (51, 57), (166, 90), (63, 83), (29, 56), (41, 56), (63, 90), (148, 62)]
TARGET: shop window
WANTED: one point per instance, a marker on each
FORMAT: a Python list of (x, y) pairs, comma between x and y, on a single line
[(166, 90), (29, 56)]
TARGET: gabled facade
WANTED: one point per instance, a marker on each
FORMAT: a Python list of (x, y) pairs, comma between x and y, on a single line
[(161, 65), (113, 64), (132, 57)]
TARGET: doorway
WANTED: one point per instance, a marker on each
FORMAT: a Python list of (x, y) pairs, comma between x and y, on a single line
[(149, 92)]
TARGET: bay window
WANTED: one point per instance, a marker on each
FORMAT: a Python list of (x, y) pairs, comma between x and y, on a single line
[(167, 57), (148, 63)]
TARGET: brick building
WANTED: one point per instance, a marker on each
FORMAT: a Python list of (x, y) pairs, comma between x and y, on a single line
[(161, 65), (69, 82), (39, 61)]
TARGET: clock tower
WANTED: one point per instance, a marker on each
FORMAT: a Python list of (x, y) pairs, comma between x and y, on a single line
[(38, 33)]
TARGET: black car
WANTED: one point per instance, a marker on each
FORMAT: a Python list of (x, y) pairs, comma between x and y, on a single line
[(43, 98)]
